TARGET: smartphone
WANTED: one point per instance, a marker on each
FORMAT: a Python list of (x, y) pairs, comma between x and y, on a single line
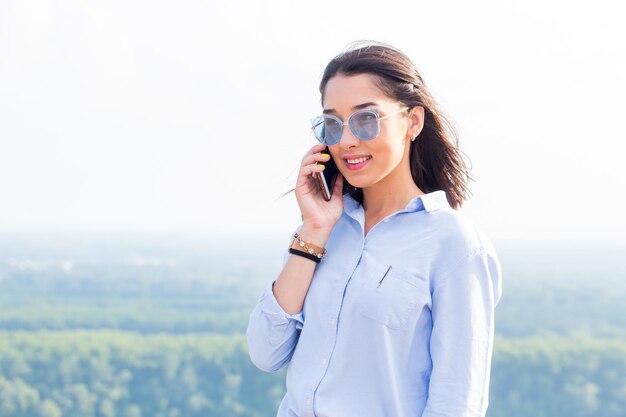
[(326, 178)]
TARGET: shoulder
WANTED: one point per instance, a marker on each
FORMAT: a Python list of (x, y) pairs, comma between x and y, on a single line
[(450, 230), (456, 239), (466, 259), (457, 234)]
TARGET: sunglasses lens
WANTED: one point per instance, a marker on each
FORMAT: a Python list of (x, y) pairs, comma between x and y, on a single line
[(364, 125), (327, 130), (318, 128), (333, 130)]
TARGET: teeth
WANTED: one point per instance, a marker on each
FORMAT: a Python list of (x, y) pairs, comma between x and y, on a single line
[(359, 160)]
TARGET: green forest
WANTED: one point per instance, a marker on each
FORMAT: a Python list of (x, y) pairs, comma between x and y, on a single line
[(147, 327)]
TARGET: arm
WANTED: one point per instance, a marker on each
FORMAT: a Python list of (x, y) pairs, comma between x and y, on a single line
[(275, 322), (462, 336)]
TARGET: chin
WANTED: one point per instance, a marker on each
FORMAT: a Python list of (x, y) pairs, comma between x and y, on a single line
[(359, 182)]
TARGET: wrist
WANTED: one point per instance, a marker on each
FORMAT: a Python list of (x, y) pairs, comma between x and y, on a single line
[(316, 235), (306, 249)]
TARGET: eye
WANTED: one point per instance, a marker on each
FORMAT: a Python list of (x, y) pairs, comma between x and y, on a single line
[(365, 119), (332, 125), (366, 116)]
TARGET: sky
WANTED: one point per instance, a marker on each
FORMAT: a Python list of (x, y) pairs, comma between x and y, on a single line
[(191, 117)]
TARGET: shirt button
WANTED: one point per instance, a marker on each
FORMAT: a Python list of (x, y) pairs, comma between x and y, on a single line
[(324, 361), (386, 220), (332, 321), (308, 401)]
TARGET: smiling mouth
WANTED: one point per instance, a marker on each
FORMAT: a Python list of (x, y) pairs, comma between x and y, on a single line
[(358, 160), (357, 163)]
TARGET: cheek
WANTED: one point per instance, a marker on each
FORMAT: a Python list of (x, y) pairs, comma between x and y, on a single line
[(391, 154)]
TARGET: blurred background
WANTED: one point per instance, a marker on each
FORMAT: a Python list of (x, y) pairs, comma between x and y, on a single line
[(140, 142)]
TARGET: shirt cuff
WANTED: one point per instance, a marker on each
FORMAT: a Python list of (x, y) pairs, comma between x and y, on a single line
[(269, 305)]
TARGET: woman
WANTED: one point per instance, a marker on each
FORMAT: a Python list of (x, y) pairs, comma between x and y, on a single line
[(393, 315)]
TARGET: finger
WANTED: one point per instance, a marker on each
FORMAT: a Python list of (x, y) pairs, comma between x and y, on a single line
[(308, 185), (316, 157), (315, 149), (307, 170)]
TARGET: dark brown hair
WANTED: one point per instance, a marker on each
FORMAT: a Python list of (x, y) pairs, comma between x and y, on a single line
[(435, 159)]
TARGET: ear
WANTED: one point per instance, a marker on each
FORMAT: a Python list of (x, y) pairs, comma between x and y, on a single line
[(416, 121)]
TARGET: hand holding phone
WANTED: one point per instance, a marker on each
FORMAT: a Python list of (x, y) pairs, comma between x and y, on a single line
[(321, 206), (326, 178)]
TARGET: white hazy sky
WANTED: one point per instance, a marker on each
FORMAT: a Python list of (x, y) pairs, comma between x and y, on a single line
[(192, 116)]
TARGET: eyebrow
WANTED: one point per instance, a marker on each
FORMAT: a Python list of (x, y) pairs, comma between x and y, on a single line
[(357, 107)]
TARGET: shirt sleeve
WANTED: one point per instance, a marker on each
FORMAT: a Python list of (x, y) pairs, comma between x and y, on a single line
[(272, 333), (461, 342)]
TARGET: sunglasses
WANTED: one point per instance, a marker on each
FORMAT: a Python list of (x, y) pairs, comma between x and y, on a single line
[(364, 124)]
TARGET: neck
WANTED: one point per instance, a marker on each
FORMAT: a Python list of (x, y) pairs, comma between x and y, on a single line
[(383, 198)]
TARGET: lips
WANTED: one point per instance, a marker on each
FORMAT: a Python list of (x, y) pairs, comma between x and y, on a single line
[(357, 161)]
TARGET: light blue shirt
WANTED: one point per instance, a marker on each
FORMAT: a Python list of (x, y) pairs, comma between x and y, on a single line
[(417, 343)]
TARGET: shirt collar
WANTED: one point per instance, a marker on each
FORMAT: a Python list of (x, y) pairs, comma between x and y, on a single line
[(434, 200), (430, 202)]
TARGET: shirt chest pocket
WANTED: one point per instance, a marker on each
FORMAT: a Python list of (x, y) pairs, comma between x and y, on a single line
[(394, 299)]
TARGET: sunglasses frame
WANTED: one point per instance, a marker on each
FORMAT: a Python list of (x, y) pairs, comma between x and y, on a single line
[(316, 121)]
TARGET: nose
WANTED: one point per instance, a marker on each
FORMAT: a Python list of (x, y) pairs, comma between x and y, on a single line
[(348, 140)]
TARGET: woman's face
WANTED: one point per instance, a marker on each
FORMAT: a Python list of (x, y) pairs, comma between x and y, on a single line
[(388, 154)]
